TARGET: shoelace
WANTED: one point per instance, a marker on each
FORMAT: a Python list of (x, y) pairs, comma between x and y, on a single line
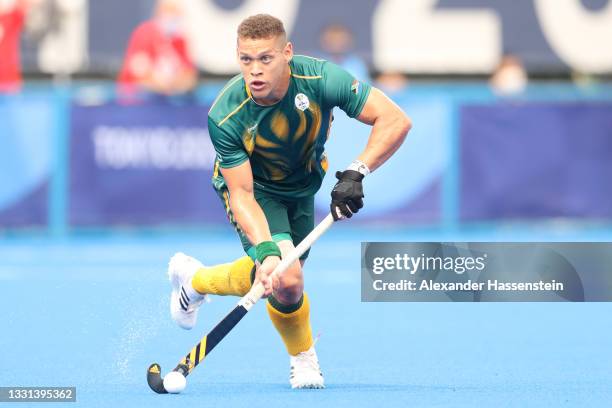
[(307, 358), (304, 360)]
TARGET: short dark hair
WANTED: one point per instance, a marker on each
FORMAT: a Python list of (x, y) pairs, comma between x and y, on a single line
[(261, 26)]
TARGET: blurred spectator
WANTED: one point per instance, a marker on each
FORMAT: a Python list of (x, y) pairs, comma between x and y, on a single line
[(391, 82), (43, 19), (12, 17), (157, 59), (60, 30), (510, 76), (337, 43)]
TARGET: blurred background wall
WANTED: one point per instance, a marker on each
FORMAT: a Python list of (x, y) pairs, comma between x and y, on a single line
[(511, 104)]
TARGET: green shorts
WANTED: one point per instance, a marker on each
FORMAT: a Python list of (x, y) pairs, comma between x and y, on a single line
[(288, 219)]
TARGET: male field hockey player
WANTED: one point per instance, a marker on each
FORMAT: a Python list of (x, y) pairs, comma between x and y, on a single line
[(269, 126)]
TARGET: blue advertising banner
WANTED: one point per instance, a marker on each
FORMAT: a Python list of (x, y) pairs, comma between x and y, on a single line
[(26, 146), (141, 165), (535, 160)]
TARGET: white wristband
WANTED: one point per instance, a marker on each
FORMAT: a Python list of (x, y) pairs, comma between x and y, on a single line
[(359, 166)]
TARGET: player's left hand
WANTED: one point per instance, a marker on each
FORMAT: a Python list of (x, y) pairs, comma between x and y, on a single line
[(347, 194)]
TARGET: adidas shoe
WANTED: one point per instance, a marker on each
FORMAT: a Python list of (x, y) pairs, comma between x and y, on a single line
[(184, 300), (305, 370)]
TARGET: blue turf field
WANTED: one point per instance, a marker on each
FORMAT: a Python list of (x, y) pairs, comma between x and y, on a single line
[(92, 312)]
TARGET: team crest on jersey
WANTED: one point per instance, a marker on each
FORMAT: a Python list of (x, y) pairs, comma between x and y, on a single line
[(302, 102), (355, 87)]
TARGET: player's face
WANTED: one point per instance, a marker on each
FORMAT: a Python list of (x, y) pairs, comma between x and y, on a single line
[(264, 65)]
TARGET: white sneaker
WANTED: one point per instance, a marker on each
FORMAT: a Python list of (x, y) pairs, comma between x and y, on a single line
[(184, 300), (305, 370)]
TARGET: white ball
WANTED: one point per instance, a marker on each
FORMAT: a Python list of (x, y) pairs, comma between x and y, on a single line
[(174, 382)]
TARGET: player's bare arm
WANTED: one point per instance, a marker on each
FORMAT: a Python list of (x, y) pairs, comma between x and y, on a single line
[(250, 218), (247, 212), (390, 125)]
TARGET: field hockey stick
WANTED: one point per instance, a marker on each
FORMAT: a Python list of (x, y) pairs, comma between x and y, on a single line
[(210, 341)]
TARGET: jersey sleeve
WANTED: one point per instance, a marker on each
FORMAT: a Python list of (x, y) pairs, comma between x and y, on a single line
[(341, 89), (229, 148)]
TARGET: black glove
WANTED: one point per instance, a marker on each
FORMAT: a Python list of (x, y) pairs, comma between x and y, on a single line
[(347, 195)]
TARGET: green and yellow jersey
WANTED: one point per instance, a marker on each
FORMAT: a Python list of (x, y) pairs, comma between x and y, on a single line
[(284, 142)]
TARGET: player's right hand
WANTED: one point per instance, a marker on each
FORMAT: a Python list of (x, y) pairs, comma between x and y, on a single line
[(264, 275)]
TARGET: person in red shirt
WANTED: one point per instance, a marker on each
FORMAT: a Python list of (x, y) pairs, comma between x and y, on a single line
[(157, 58), (12, 16)]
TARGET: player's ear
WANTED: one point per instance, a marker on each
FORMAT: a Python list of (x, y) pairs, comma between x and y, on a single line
[(288, 51)]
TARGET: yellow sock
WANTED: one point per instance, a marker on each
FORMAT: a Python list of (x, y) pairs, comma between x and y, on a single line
[(293, 323), (232, 278)]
